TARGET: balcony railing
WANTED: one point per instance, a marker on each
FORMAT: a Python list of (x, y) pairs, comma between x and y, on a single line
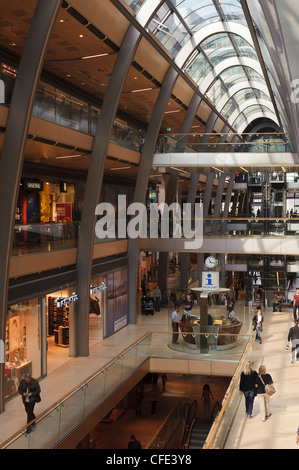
[(67, 413), (61, 108), (38, 238)]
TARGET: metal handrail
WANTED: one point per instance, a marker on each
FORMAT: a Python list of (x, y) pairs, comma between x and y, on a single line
[(233, 382), (189, 424), (72, 392)]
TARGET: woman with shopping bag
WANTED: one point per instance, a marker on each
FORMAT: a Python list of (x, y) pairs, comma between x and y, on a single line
[(264, 390)]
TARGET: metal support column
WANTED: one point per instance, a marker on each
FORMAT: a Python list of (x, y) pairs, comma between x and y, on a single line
[(17, 126), (94, 185), (174, 176), (206, 205), (142, 182), (186, 256)]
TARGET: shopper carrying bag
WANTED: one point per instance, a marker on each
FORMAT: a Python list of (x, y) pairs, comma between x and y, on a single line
[(263, 393)]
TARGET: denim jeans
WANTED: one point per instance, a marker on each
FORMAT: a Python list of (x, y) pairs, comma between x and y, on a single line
[(257, 333), (249, 398), (295, 308)]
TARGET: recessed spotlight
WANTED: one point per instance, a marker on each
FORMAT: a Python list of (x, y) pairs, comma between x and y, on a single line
[(81, 35)]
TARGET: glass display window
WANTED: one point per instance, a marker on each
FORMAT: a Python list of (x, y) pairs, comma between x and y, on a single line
[(22, 344), (96, 307)]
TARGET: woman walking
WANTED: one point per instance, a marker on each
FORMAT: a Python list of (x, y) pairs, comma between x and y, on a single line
[(257, 322), (247, 387), (263, 398)]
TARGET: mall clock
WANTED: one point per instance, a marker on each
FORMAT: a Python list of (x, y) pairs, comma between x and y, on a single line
[(211, 262)]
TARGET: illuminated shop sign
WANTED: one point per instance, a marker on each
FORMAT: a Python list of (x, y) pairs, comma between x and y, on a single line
[(94, 289), (63, 301), (32, 185)]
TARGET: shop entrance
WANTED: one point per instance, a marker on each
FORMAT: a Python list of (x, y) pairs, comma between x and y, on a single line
[(57, 331), (58, 324)]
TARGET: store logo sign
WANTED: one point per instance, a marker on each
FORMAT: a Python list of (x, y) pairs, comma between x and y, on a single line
[(2, 352), (153, 221), (94, 289), (63, 301), (32, 185), (210, 280)]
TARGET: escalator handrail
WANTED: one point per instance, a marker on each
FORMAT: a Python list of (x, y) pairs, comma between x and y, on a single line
[(189, 424)]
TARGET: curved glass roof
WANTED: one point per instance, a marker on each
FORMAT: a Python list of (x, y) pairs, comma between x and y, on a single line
[(175, 23)]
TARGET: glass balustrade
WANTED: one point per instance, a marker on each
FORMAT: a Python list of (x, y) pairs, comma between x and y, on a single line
[(62, 108), (39, 238), (36, 238), (55, 422), (221, 427), (224, 143)]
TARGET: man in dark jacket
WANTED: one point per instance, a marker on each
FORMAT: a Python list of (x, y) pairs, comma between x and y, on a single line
[(134, 443), (293, 336), (29, 389)]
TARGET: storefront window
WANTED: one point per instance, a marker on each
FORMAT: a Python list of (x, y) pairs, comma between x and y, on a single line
[(97, 307), (117, 310), (22, 344)]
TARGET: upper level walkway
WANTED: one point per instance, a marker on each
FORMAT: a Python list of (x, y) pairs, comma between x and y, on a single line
[(224, 151), (279, 432)]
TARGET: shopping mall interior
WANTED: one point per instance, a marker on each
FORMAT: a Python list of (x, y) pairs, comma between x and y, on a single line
[(149, 180)]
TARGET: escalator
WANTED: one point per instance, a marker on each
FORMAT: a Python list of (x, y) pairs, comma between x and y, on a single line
[(197, 429), (199, 432)]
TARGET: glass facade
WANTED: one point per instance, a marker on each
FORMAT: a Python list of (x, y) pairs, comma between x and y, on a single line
[(176, 22), (22, 343)]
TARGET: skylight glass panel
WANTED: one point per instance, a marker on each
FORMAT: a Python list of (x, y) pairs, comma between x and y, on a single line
[(197, 13), (169, 30), (216, 91), (135, 4), (248, 94), (197, 66), (232, 11)]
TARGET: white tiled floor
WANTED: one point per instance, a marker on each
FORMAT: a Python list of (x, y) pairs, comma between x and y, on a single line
[(279, 431)]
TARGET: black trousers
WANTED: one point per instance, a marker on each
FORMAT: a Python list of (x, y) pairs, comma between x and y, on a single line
[(29, 407), (175, 335)]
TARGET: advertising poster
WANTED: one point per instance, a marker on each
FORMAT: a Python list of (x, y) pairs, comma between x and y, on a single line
[(117, 312), (64, 211)]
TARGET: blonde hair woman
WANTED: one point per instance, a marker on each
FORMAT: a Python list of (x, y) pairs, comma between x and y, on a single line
[(248, 380), (264, 400)]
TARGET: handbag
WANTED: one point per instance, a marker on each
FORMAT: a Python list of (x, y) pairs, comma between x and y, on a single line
[(269, 388)]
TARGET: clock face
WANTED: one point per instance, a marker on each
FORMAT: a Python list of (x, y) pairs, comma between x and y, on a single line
[(211, 262)]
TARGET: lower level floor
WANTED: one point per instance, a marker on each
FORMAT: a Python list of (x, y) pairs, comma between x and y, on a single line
[(278, 432)]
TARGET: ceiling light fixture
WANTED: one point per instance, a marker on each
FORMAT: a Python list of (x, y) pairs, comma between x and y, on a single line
[(218, 169), (175, 111), (179, 169), (94, 56), (120, 168), (142, 89)]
